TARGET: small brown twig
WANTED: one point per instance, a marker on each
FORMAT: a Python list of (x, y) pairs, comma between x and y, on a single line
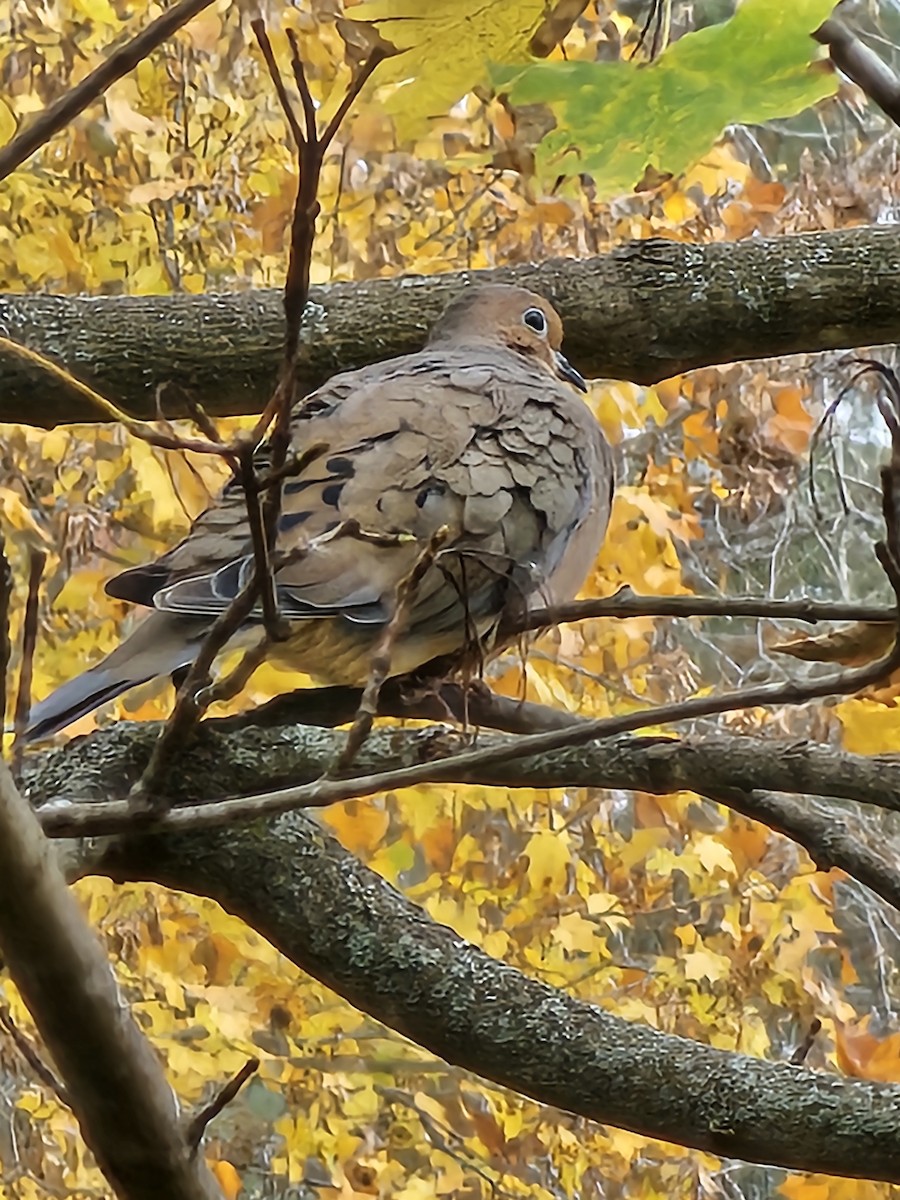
[(558, 20), (237, 679), (139, 429), (263, 517), (195, 410), (6, 591), (381, 658), (30, 1053), (311, 150), (311, 134), (188, 709), (258, 26), (36, 562), (625, 604), (803, 1049), (198, 1123), (264, 578), (119, 62)]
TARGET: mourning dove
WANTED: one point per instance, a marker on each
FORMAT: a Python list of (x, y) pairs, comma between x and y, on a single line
[(480, 435)]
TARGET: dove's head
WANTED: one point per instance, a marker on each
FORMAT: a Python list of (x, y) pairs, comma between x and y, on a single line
[(522, 320)]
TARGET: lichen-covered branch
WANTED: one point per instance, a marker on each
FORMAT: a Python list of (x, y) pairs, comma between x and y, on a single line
[(343, 924), (643, 312)]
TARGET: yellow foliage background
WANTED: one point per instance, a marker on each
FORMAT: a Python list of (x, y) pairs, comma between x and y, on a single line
[(667, 910)]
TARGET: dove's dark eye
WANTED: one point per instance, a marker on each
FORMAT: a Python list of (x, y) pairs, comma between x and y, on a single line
[(535, 319)]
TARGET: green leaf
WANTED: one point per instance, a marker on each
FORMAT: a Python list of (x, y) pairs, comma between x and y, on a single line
[(615, 119), (446, 48)]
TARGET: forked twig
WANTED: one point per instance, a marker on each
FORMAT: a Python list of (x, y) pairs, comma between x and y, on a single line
[(30, 1053), (198, 1123), (263, 490)]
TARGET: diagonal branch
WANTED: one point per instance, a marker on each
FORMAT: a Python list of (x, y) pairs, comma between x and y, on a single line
[(112, 1076), (344, 925), (860, 63), (118, 63)]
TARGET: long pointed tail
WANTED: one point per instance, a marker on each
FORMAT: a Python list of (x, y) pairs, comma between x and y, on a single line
[(160, 645)]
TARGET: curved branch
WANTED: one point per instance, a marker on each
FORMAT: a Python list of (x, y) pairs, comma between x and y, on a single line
[(224, 759), (340, 922), (646, 311)]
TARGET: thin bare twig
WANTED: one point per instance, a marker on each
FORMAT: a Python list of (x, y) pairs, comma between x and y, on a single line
[(237, 679), (306, 101), (30, 1053), (195, 409), (799, 1055), (119, 62), (625, 603), (6, 588), (198, 1123), (194, 695), (262, 547), (379, 53), (258, 26), (188, 708), (80, 820), (36, 562), (139, 429), (556, 24), (380, 664)]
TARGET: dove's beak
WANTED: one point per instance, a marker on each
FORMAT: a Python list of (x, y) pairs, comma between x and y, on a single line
[(565, 370)]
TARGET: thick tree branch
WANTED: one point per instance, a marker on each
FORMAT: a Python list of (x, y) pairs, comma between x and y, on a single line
[(340, 922), (344, 925), (241, 761), (113, 1080), (644, 312)]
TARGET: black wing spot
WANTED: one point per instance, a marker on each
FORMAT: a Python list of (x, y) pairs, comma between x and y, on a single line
[(292, 520), (432, 488), (312, 406), (293, 487), (331, 494), (343, 468)]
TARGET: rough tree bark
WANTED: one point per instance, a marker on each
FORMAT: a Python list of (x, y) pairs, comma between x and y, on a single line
[(343, 924), (644, 312)]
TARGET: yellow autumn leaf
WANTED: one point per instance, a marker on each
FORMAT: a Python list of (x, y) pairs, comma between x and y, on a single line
[(548, 861), (851, 645), (714, 855), (464, 36), (869, 726), (227, 1178), (360, 825), (18, 517), (704, 964), (7, 124)]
